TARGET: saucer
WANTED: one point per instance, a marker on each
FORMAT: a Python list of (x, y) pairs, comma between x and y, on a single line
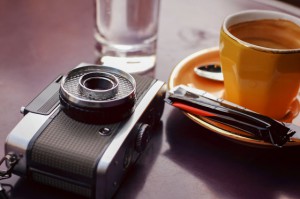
[(183, 73)]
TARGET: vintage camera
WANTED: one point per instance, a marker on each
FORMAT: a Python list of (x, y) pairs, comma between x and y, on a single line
[(85, 130)]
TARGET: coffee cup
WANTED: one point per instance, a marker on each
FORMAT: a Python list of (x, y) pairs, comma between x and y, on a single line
[(260, 58)]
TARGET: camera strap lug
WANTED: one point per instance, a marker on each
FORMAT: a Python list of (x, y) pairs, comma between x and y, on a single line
[(11, 161)]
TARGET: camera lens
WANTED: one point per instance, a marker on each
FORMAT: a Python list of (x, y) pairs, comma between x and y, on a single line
[(98, 85), (97, 94)]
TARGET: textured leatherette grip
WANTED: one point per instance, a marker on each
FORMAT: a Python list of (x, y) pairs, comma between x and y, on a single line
[(70, 149)]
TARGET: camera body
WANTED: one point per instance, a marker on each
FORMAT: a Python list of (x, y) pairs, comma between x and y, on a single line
[(86, 145)]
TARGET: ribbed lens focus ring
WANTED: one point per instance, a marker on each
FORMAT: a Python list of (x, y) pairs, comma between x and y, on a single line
[(97, 94)]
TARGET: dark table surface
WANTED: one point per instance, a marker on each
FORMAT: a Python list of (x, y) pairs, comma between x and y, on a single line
[(41, 39)]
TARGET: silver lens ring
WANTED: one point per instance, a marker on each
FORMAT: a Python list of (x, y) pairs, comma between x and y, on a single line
[(71, 92), (98, 85), (97, 94)]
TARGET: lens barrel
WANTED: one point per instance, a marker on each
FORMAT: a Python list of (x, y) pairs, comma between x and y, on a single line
[(98, 94)]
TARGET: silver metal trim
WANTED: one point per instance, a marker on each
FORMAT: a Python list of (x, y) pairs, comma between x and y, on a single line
[(100, 77), (19, 138), (119, 139)]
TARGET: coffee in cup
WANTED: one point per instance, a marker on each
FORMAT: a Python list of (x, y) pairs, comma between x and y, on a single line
[(260, 58)]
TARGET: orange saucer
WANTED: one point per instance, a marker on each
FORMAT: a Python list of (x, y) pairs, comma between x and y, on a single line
[(183, 73)]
